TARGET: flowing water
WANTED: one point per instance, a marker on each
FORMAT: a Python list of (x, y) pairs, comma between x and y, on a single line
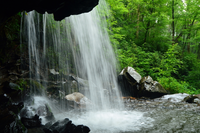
[(80, 45), (79, 42)]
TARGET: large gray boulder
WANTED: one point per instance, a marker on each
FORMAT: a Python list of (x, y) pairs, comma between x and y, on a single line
[(131, 75), (150, 88), (132, 84), (129, 81)]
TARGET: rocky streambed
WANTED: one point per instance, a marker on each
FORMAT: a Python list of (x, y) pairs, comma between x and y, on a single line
[(170, 114)]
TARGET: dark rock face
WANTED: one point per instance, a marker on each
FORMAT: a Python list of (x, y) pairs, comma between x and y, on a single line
[(65, 126), (8, 116), (34, 121), (60, 8)]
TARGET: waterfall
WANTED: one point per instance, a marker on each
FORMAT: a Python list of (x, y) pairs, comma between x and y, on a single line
[(95, 60), (79, 45)]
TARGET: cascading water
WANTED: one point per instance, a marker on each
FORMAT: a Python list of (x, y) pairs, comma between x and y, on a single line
[(79, 42), (95, 60)]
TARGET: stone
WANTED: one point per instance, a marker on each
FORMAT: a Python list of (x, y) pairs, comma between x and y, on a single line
[(128, 81), (9, 115), (78, 99), (65, 126), (9, 87), (29, 114), (190, 98), (157, 87), (150, 88), (146, 83), (131, 75), (81, 82), (174, 98), (74, 85), (52, 71), (34, 121)]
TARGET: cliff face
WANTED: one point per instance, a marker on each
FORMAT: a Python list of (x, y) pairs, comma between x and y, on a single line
[(60, 8), (10, 19)]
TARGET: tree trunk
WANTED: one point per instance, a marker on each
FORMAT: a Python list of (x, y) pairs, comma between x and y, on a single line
[(173, 22), (145, 37), (138, 19), (198, 52)]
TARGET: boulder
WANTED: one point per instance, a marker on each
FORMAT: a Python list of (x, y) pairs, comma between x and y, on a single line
[(77, 99), (132, 84), (65, 126), (34, 121), (52, 71), (190, 98), (128, 81), (150, 88), (146, 83), (131, 75)]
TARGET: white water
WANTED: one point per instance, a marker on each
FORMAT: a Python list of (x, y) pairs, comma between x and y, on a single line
[(96, 60), (79, 42), (102, 121), (82, 42)]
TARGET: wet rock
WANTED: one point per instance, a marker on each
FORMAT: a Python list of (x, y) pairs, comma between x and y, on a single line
[(9, 87), (131, 75), (74, 86), (150, 88), (34, 121), (157, 87), (82, 83), (13, 77), (128, 81), (38, 87), (29, 113), (65, 126), (52, 71), (8, 115), (146, 83), (175, 98), (190, 98), (198, 96), (77, 99)]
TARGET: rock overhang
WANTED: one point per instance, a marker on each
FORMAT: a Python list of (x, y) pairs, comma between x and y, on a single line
[(59, 8)]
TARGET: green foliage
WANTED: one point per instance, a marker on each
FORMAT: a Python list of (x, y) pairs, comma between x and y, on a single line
[(141, 33), (22, 84), (9, 38), (170, 62), (36, 84), (172, 85)]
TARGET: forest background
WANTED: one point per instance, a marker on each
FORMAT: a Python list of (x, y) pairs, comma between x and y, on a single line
[(159, 38)]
